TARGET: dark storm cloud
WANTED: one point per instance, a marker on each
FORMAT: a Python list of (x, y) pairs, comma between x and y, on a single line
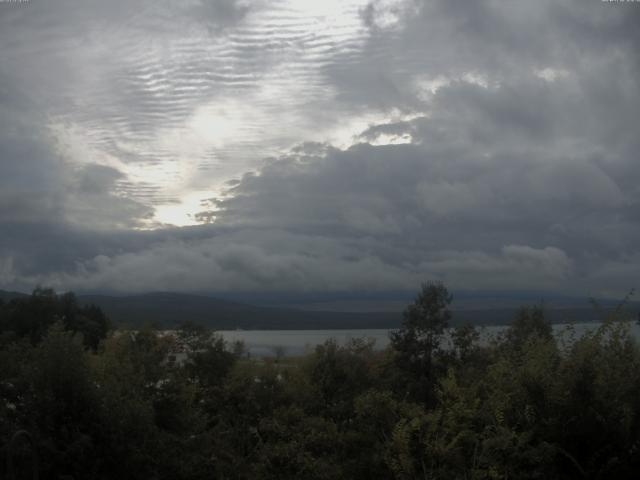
[(520, 171)]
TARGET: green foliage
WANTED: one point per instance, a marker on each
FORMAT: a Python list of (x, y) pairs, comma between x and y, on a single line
[(57, 399), (465, 339), (208, 359), (296, 445), (437, 404), (31, 317), (529, 322), (417, 344), (339, 373)]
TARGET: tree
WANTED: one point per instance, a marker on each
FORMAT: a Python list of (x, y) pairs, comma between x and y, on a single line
[(529, 323), (208, 359), (339, 373), (63, 404), (31, 317), (417, 342), (464, 339)]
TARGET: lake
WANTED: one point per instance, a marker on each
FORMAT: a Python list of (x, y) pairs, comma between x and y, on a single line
[(263, 343)]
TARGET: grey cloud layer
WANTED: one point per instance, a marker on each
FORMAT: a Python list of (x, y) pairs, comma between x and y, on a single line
[(126, 81), (521, 172)]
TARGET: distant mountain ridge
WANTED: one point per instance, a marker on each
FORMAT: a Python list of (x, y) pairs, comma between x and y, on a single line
[(6, 295), (167, 310)]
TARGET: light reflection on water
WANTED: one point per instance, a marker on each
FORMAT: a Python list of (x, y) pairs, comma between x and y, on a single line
[(299, 342)]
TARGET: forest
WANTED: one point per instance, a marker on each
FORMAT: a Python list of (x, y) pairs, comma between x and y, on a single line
[(81, 400)]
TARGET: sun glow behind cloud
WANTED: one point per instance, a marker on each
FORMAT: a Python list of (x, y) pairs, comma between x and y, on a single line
[(259, 110), (226, 115), (188, 157), (183, 213)]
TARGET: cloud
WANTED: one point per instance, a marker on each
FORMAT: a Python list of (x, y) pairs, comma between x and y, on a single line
[(152, 89), (240, 260), (275, 260), (38, 184), (373, 147)]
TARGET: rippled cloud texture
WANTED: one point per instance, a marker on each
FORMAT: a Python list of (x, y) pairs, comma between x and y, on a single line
[(330, 146)]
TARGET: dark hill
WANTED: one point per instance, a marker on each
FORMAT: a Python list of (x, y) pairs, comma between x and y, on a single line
[(167, 310), (5, 296)]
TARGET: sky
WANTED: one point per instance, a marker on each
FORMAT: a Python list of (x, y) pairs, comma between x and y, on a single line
[(320, 146)]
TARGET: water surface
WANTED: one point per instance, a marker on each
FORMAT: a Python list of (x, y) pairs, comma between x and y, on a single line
[(300, 342)]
